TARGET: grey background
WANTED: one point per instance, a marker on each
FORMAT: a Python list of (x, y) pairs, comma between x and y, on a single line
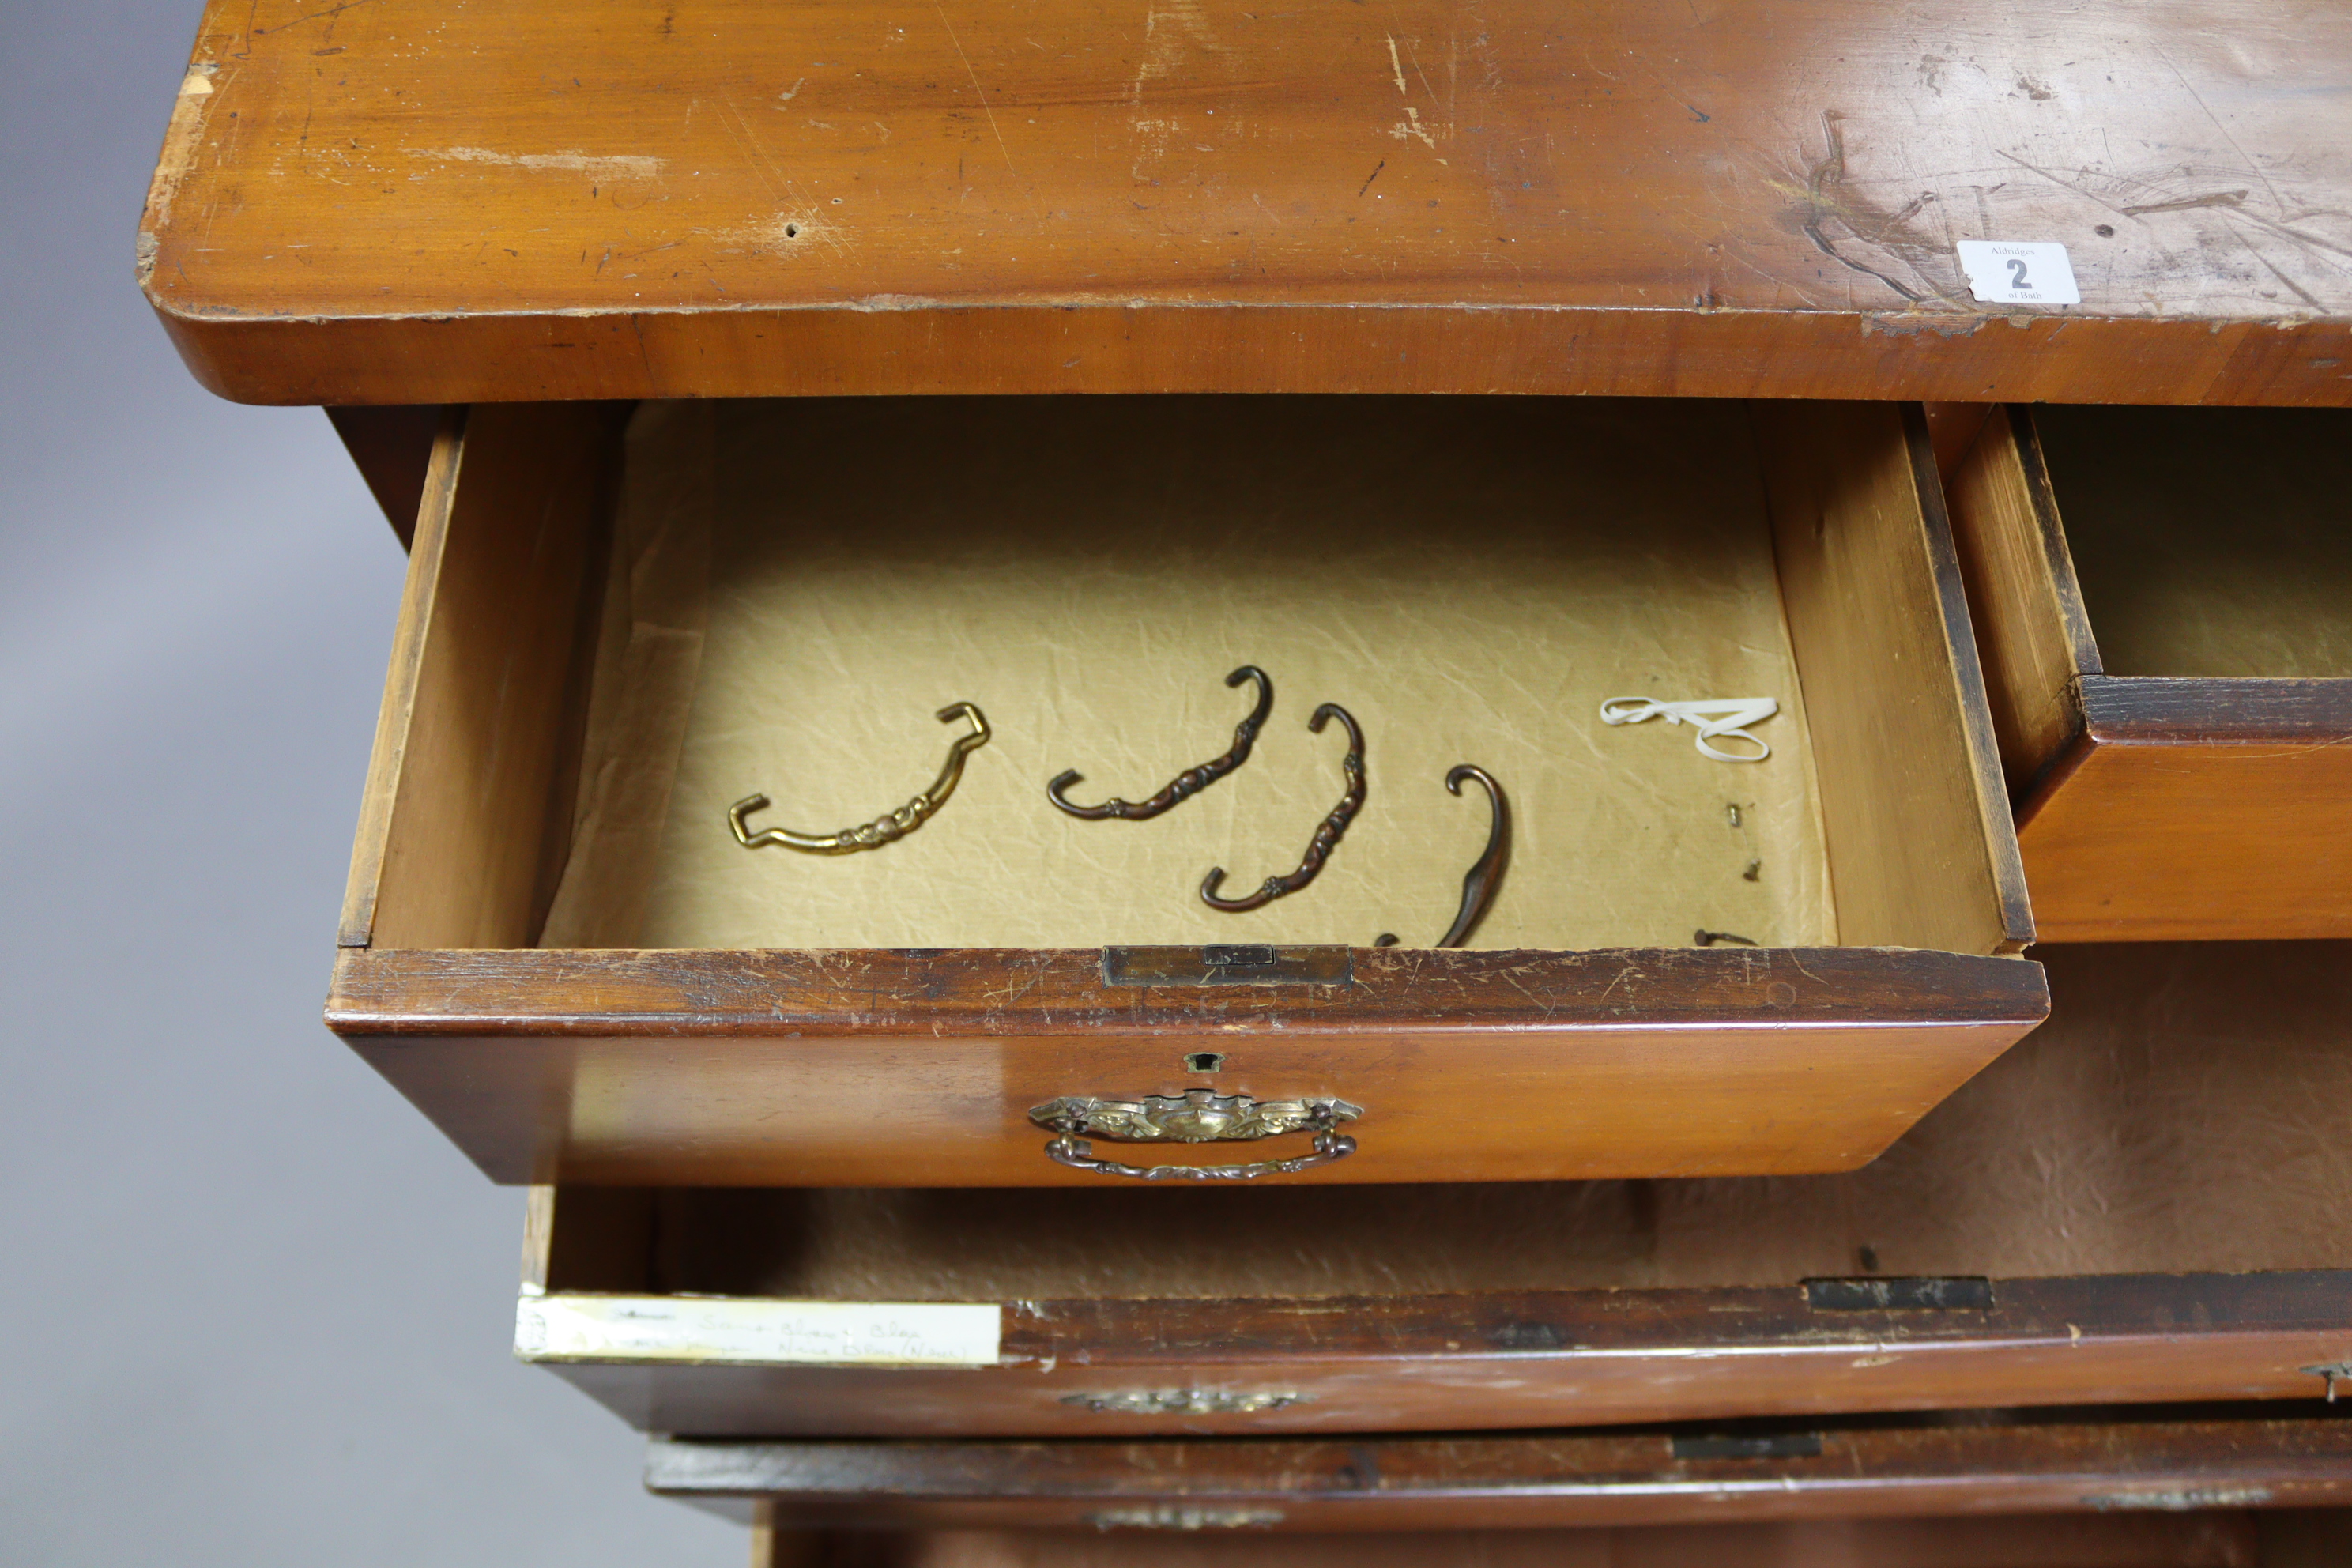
[(256, 1310)]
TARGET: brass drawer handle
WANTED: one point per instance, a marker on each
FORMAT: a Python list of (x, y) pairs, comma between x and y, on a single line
[(1187, 1401), (1186, 1516), (887, 828), (1197, 1116)]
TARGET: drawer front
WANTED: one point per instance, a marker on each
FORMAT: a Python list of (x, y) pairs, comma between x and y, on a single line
[(1109, 1369), (499, 965), (912, 1069), (2171, 681), (2197, 810), (1486, 1483)]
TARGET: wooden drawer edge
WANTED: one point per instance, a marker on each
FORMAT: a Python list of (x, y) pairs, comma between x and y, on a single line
[(493, 992), (2171, 1466)]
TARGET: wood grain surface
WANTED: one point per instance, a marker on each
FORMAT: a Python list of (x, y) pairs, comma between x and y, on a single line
[(1373, 1483), (918, 1068), (2196, 809), (2023, 601), (466, 808), (1912, 800), (397, 202)]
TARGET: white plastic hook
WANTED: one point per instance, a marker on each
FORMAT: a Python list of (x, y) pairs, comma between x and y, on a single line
[(1710, 717)]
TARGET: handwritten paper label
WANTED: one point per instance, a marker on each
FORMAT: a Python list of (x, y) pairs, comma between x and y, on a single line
[(2019, 273), (729, 1328)]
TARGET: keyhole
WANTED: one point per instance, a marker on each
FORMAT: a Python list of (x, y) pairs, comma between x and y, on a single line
[(2016, 272)]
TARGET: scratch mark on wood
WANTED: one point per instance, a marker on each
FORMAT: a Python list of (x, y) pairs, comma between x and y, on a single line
[(2217, 199), (1827, 196), (2300, 291), (976, 88), (622, 166), (330, 13)]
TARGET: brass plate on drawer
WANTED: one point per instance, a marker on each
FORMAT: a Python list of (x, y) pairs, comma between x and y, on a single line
[(1239, 964)]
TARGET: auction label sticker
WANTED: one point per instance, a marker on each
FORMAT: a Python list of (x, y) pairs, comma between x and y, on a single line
[(2019, 273), (737, 1329)]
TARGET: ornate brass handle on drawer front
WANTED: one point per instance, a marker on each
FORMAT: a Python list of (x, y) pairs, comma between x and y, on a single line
[(1197, 1116)]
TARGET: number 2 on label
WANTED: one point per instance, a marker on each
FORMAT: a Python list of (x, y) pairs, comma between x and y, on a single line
[(2016, 272)]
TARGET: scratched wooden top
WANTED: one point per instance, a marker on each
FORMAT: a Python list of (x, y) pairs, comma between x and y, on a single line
[(422, 200)]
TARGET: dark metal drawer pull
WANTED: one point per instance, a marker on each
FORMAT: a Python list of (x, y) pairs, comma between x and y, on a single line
[(1197, 1116), (1327, 833), (1485, 874), (1189, 783)]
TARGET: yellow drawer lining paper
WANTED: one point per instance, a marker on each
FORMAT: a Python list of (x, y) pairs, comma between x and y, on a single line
[(797, 587)]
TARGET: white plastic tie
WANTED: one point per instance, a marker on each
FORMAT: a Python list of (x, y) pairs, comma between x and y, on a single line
[(1712, 717)]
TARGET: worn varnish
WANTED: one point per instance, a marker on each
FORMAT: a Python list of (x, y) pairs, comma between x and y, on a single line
[(1462, 1482), (400, 202)]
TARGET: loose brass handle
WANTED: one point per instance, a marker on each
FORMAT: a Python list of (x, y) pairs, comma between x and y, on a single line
[(884, 830), (1197, 1116)]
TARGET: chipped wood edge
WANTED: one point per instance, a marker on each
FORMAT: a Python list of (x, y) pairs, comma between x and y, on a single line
[(183, 137), (392, 726)]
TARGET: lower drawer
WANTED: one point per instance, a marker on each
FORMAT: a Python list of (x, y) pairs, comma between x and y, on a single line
[(565, 943), (2145, 1202), (2086, 1462)]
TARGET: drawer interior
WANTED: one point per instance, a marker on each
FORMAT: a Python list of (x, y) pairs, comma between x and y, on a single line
[(2180, 1112), (2208, 542), (638, 619)]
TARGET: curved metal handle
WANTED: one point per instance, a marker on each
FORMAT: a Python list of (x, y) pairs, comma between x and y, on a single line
[(1078, 1153), (1198, 1116), (1486, 873), (1189, 783), (1327, 833), (885, 829)]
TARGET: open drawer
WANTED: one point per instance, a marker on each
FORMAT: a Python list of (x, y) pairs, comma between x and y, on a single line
[(2186, 772), (556, 947), (2145, 1202)]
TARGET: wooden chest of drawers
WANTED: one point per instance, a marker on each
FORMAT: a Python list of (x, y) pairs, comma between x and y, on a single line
[(792, 1097)]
